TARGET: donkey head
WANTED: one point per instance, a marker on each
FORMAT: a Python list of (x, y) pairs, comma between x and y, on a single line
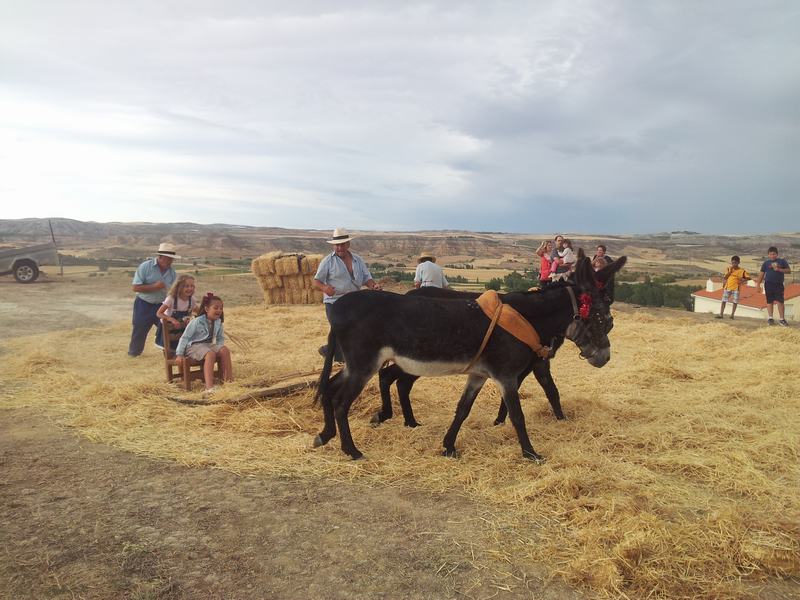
[(589, 329)]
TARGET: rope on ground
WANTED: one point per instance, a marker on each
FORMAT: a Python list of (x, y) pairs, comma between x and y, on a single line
[(267, 392), (274, 380)]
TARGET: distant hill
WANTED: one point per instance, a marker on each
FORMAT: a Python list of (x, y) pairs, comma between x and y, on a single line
[(131, 240)]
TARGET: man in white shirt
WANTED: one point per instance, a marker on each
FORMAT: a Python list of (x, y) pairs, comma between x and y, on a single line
[(429, 274), (339, 273)]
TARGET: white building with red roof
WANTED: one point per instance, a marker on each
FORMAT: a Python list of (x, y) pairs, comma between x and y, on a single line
[(752, 302)]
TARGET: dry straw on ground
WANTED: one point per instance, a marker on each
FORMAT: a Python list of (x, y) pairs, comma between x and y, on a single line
[(287, 278), (675, 476)]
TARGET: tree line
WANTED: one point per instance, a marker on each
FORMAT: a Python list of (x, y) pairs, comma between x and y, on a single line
[(653, 291)]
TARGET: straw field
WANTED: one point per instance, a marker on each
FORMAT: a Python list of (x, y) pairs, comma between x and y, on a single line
[(675, 476)]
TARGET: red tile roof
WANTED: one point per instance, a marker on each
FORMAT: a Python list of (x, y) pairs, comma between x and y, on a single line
[(750, 296)]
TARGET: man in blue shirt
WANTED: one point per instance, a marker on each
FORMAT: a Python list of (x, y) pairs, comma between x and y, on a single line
[(772, 273), (339, 273), (151, 283)]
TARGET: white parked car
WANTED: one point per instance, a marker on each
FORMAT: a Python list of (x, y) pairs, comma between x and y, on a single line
[(24, 263)]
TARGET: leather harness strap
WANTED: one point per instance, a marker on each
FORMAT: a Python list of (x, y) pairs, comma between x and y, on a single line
[(485, 341), (510, 320), (575, 312)]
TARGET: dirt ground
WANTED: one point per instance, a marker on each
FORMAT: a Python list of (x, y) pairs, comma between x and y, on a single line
[(86, 520)]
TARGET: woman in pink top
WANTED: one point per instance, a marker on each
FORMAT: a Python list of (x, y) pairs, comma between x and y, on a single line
[(545, 268)]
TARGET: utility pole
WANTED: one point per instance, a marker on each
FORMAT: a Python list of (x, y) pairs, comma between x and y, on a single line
[(53, 236)]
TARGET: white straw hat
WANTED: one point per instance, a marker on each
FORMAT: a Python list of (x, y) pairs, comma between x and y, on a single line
[(340, 236), (167, 249)]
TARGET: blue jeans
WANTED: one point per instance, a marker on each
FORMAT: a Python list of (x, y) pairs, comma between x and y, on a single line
[(144, 317)]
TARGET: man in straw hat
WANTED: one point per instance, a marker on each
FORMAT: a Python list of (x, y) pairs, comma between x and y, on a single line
[(339, 273), (151, 282), (428, 273)]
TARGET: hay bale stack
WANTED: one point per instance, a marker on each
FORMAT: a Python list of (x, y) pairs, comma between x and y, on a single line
[(265, 264), (286, 278)]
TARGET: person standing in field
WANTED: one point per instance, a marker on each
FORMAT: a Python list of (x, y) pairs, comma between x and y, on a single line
[(544, 252), (339, 273), (732, 280), (152, 280), (600, 252), (772, 274), (600, 260), (428, 273), (563, 259)]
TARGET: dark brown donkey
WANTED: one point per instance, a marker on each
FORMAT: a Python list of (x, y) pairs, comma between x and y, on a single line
[(428, 336)]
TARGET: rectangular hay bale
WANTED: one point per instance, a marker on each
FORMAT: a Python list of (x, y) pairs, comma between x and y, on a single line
[(267, 261), (293, 282), (313, 261), (273, 281), (287, 265)]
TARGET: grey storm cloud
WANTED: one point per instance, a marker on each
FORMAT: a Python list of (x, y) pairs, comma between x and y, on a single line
[(515, 116)]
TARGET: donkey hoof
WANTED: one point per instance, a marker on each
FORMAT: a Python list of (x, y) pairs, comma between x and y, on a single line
[(450, 453), (318, 441), (357, 456), (378, 418), (537, 458), (499, 421), (412, 424)]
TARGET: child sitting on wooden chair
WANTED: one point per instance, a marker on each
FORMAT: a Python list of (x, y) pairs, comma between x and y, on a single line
[(178, 305), (204, 341)]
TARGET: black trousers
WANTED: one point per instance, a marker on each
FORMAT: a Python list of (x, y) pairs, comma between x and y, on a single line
[(337, 355)]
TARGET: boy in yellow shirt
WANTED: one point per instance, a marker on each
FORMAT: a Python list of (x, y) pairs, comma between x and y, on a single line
[(733, 277)]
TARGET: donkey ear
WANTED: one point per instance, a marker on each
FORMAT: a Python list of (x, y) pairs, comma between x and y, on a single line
[(607, 272), (584, 274), (581, 253)]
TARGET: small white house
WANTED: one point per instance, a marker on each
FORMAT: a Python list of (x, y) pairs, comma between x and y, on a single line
[(752, 302)]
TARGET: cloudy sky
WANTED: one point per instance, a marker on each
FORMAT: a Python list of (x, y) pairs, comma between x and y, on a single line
[(602, 116)]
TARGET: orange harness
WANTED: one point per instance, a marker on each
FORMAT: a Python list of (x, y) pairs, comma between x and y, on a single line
[(510, 320)]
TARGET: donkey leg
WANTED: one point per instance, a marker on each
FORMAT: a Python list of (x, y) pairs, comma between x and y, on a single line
[(541, 371), (349, 391), (404, 385), (502, 411), (511, 397), (474, 385), (329, 429), (386, 377)]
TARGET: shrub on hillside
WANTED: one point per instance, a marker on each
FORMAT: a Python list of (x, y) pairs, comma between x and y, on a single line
[(651, 293)]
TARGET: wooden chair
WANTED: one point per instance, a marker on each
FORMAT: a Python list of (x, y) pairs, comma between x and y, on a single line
[(191, 370)]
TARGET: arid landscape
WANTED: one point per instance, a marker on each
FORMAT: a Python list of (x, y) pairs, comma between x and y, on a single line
[(674, 476), (681, 253)]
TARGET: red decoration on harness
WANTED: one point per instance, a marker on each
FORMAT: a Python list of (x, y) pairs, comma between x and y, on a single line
[(599, 285), (586, 306)]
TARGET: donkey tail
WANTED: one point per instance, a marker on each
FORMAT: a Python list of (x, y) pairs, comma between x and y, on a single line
[(324, 378)]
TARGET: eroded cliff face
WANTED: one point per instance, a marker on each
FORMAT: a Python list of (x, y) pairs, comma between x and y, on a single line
[(121, 240), (135, 240), (410, 245)]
